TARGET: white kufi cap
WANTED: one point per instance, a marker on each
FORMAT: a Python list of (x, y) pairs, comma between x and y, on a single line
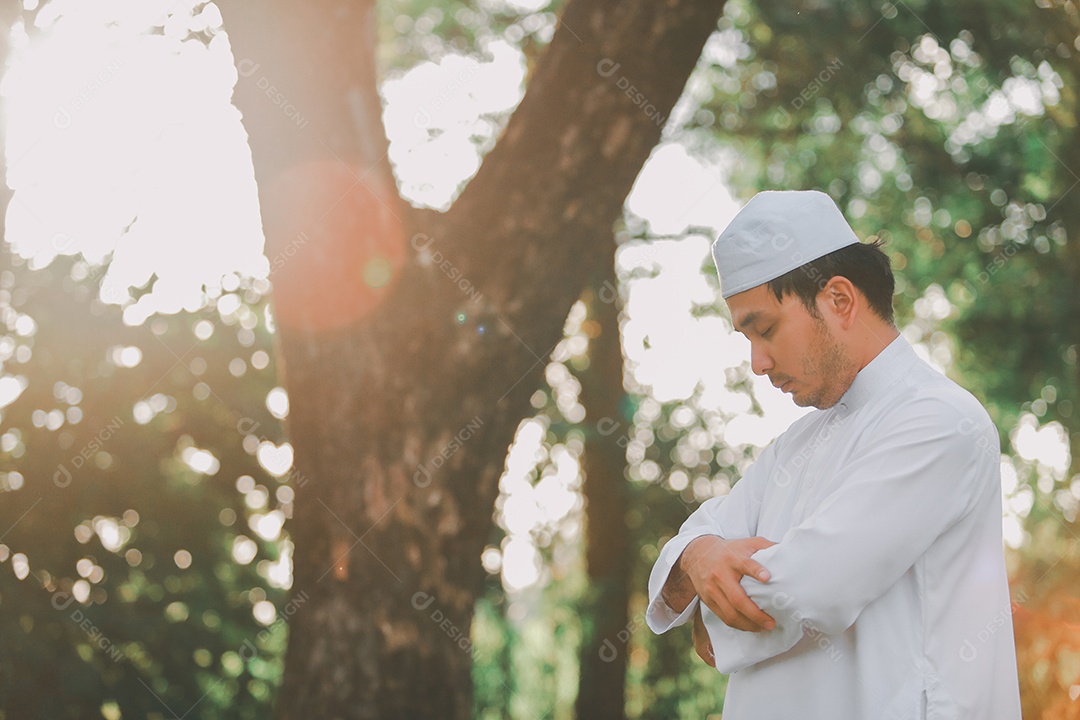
[(776, 232)]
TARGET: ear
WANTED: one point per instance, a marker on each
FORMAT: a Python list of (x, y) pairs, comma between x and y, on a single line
[(839, 298)]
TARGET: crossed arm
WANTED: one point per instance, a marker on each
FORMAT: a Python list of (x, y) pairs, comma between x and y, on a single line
[(716, 565), (889, 504)]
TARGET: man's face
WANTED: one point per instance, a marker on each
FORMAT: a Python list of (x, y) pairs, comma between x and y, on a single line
[(799, 352)]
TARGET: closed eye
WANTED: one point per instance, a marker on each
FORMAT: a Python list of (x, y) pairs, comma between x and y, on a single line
[(768, 332)]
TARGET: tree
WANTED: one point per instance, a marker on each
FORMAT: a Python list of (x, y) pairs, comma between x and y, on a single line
[(602, 681), (390, 368), (131, 564)]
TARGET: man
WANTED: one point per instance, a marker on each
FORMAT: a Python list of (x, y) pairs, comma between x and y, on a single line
[(856, 570)]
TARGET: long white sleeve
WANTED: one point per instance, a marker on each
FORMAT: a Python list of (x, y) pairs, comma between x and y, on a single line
[(916, 477), (733, 515)]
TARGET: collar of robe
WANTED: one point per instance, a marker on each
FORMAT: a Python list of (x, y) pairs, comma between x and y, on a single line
[(890, 365)]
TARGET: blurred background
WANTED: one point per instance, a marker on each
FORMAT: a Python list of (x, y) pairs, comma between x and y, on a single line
[(147, 476)]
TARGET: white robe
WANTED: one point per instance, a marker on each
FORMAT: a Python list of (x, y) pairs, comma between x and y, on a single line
[(888, 581)]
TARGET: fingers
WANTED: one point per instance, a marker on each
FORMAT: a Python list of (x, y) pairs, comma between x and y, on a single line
[(716, 579), (735, 609), (720, 606), (760, 543), (755, 616), (741, 621), (754, 569)]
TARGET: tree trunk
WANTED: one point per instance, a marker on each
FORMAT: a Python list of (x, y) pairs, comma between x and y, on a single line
[(411, 341), (602, 683)]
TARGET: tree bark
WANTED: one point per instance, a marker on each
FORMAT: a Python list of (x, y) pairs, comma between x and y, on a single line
[(602, 682), (407, 381)]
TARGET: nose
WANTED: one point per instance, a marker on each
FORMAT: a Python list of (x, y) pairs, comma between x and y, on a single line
[(760, 361)]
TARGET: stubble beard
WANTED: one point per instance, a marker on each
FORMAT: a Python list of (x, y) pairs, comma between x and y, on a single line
[(827, 360)]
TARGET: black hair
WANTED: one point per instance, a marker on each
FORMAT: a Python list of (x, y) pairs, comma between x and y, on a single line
[(865, 264)]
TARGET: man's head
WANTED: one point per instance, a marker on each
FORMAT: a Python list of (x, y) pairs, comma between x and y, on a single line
[(812, 325)]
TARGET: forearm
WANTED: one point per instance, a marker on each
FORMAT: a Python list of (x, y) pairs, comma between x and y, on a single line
[(679, 590), (670, 586)]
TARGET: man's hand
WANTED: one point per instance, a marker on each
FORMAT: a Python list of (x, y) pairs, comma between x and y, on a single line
[(715, 565), (702, 643)]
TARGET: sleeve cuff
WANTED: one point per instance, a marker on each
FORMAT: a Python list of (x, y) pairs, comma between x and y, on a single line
[(660, 618)]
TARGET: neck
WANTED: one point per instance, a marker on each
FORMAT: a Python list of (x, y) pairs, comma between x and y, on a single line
[(873, 336)]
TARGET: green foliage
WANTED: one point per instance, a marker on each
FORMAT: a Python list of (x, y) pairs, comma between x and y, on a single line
[(121, 509), (418, 30), (685, 460), (908, 124), (677, 457)]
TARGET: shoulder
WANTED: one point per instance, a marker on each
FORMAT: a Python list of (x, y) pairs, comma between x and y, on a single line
[(934, 403), (931, 390)]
